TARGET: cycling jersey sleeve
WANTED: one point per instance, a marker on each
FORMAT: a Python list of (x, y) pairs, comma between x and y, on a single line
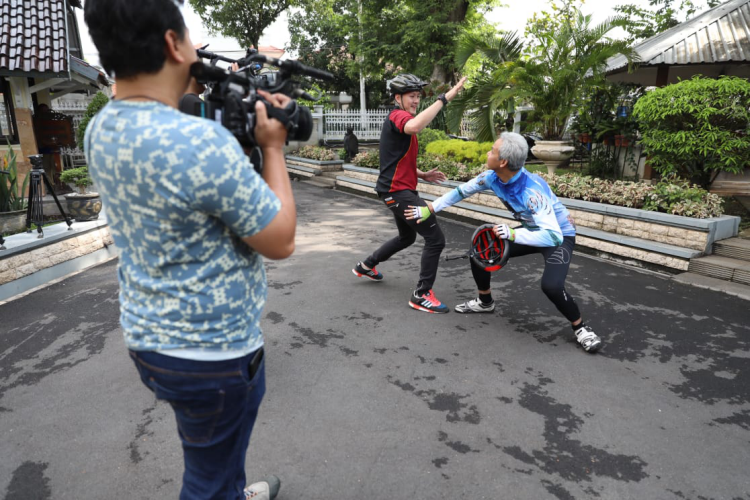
[(477, 184), (541, 208), (399, 117)]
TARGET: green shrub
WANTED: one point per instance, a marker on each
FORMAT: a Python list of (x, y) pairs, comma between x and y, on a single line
[(368, 158), (316, 153), (341, 153), (11, 195), (78, 176), (469, 152), (678, 196), (673, 195), (696, 127), (428, 135), (97, 103), (453, 170)]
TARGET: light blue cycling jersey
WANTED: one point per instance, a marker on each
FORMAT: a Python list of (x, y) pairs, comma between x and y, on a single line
[(544, 219)]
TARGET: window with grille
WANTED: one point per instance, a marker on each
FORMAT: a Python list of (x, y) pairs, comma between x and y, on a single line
[(8, 130)]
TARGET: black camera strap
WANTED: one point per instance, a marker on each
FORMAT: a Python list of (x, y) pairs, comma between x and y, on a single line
[(281, 114)]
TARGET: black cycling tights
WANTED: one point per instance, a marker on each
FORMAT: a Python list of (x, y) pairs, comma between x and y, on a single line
[(434, 240), (556, 264)]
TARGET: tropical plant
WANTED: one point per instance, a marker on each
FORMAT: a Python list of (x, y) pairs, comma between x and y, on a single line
[(97, 103), (568, 57), (697, 128), (11, 195), (479, 95), (78, 176)]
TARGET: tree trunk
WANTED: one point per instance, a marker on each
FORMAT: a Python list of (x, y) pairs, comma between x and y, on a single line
[(456, 17)]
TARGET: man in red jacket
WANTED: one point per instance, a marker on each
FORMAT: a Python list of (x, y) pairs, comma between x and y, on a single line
[(397, 187)]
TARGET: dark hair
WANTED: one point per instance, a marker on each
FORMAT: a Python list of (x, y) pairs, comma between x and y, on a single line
[(129, 34)]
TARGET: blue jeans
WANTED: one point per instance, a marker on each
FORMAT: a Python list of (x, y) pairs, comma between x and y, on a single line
[(215, 404)]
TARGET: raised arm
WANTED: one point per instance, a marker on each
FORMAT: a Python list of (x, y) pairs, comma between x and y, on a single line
[(419, 122)]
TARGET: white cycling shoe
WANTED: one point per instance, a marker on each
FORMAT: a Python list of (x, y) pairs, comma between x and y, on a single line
[(475, 306), (588, 339)]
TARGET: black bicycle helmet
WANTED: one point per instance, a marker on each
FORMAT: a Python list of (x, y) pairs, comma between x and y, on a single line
[(487, 250), (405, 82)]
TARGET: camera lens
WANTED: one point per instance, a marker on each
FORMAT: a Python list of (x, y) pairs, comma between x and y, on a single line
[(304, 124)]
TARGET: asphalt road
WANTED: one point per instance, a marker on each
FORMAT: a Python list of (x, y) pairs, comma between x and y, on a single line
[(369, 399)]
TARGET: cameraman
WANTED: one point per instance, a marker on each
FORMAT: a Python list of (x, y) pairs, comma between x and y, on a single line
[(192, 220)]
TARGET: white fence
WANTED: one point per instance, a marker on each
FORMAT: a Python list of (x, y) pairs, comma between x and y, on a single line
[(74, 108), (367, 127)]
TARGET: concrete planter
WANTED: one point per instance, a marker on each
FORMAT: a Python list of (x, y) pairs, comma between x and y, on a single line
[(323, 166), (12, 222), (640, 237), (553, 153)]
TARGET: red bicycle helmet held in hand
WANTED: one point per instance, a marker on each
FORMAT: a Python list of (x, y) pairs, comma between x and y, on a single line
[(487, 250)]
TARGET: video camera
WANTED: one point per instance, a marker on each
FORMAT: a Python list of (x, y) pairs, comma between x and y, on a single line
[(232, 95)]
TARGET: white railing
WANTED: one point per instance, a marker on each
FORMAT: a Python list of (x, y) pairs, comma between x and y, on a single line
[(366, 127), (73, 108)]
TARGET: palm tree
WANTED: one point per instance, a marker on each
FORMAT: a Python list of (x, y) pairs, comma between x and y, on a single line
[(568, 60), (479, 95)]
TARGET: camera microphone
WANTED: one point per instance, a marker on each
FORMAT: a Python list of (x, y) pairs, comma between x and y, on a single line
[(205, 54), (205, 73)]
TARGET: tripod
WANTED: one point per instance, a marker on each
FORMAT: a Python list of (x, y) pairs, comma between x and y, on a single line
[(35, 212)]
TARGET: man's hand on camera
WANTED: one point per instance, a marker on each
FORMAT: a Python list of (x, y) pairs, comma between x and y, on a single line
[(270, 133), (452, 93)]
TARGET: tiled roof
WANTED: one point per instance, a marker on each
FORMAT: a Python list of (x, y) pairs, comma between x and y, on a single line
[(719, 35), (33, 37)]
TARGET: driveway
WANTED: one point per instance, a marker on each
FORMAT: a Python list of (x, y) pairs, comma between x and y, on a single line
[(369, 399)]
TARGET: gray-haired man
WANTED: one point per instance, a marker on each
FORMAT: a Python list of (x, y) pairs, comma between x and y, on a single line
[(546, 228)]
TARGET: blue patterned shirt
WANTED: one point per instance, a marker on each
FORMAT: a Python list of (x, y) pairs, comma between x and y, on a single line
[(179, 194)]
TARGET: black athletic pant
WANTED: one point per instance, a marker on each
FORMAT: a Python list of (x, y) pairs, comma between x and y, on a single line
[(434, 240), (556, 265)]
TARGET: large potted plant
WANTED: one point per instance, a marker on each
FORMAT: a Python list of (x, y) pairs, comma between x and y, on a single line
[(565, 56), (12, 201), (83, 205)]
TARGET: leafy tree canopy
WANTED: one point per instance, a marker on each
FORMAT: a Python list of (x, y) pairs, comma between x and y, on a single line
[(243, 20), (417, 36), (643, 23)]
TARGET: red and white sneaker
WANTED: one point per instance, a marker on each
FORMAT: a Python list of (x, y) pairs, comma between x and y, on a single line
[(370, 274), (427, 302)]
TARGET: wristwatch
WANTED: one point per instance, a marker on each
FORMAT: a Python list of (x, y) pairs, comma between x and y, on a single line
[(442, 98)]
